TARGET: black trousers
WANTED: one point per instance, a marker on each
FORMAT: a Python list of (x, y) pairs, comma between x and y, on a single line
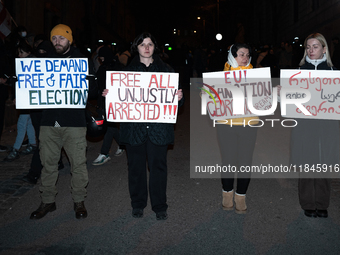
[(237, 144), (112, 132), (314, 193), (156, 158)]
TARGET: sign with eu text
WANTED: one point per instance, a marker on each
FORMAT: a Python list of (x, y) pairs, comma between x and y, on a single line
[(234, 90)]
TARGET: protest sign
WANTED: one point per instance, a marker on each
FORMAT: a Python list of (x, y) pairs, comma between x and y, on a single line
[(324, 87), (257, 82), (51, 83), (141, 97)]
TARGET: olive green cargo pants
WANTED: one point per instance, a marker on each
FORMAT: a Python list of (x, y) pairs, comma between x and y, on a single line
[(73, 140)]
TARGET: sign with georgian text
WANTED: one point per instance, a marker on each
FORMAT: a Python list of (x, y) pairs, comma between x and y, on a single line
[(324, 88)]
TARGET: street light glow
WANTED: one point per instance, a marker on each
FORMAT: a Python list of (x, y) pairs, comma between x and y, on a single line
[(218, 37)]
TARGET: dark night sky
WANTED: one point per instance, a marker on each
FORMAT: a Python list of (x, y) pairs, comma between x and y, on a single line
[(161, 17)]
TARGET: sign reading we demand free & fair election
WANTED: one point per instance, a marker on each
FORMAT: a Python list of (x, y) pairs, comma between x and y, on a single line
[(141, 97), (51, 83)]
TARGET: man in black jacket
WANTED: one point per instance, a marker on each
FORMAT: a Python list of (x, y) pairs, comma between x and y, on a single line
[(63, 128)]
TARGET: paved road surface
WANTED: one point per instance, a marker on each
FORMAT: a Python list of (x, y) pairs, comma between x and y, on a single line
[(274, 224)]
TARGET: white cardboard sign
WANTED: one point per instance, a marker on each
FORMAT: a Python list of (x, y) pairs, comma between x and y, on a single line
[(141, 97), (324, 86), (51, 83), (258, 80)]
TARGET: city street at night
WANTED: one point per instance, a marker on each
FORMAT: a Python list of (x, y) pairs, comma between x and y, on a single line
[(197, 224), (237, 175)]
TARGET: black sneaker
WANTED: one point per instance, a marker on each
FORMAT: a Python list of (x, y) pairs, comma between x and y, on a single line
[(137, 213), (30, 149), (3, 148), (161, 215), (14, 154), (24, 143), (30, 179)]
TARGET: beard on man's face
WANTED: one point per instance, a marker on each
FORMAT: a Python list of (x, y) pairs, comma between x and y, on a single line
[(61, 49)]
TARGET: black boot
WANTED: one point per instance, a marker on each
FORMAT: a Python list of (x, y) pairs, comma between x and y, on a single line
[(43, 210), (80, 210)]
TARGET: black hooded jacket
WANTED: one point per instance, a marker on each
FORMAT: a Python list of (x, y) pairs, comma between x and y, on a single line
[(70, 117)]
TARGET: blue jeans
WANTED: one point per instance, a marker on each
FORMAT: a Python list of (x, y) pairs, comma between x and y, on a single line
[(24, 125)]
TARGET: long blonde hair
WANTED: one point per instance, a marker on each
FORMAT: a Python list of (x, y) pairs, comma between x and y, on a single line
[(323, 42)]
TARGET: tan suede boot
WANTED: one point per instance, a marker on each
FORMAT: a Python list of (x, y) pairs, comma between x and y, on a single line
[(227, 201), (240, 204)]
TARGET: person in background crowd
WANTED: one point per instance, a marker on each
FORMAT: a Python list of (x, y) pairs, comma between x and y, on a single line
[(43, 49), (200, 63), (106, 57), (262, 55), (147, 142), (315, 141), (5, 71), (24, 123), (37, 40), (285, 55), (94, 57), (237, 142), (63, 128), (336, 52), (3, 99), (123, 54)]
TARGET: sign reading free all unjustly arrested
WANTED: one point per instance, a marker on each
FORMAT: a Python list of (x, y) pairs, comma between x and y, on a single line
[(141, 97), (51, 83)]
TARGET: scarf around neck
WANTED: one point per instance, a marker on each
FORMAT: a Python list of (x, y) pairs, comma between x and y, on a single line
[(316, 62), (232, 63)]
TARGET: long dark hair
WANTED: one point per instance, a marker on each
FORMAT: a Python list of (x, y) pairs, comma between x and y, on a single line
[(139, 39)]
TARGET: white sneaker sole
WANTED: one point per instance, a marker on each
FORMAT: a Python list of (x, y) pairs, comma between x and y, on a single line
[(101, 163)]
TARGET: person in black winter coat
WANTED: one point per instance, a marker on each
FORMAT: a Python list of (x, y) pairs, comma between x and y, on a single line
[(315, 141), (147, 142)]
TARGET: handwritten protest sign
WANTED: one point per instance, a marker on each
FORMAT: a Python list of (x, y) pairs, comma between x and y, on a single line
[(141, 97), (324, 87), (51, 83), (256, 81)]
